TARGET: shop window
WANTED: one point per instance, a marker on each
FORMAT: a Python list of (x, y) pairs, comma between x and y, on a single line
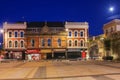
[(16, 44), (10, 44), (70, 33), (22, 43), (49, 42), (21, 34), (32, 42), (10, 34), (76, 42), (43, 42), (16, 34), (59, 42), (70, 43), (76, 34)]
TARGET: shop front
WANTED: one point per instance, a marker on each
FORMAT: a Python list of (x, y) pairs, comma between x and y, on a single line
[(14, 54), (59, 53), (33, 55), (46, 53), (74, 52)]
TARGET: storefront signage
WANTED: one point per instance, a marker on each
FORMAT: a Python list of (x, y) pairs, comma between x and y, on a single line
[(59, 50), (73, 50), (46, 51), (32, 51)]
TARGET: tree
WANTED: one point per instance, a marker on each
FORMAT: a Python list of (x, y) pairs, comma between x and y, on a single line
[(107, 46)]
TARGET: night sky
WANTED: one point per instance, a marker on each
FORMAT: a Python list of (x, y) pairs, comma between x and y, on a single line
[(96, 12)]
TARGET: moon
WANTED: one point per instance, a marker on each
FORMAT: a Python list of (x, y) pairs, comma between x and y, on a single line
[(111, 9)]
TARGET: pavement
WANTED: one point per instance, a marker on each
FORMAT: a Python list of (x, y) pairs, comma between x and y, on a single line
[(60, 70)]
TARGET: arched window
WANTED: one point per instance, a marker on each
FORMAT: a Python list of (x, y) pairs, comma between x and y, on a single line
[(32, 42), (70, 43), (22, 43), (81, 43), (81, 34), (43, 42), (70, 33), (10, 44), (76, 43), (21, 34), (10, 34), (16, 44), (59, 42), (16, 34), (75, 34), (49, 42)]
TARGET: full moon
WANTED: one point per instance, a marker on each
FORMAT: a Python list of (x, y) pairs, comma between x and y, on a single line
[(111, 9)]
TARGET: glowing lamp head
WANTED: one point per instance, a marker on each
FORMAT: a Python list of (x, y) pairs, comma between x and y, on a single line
[(1, 30)]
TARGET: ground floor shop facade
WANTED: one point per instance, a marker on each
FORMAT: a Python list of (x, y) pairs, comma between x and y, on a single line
[(39, 54)]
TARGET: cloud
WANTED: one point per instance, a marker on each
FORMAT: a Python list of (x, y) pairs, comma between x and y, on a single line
[(114, 17)]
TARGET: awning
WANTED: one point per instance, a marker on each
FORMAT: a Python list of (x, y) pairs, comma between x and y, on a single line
[(33, 51)]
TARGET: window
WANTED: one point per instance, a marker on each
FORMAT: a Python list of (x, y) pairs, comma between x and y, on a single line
[(111, 29), (10, 44), (32, 42), (106, 32), (43, 42), (22, 44), (10, 34), (81, 43), (76, 43), (21, 34), (76, 34), (59, 42), (16, 44), (16, 34), (70, 33), (70, 43), (81, 34), (49, 42)]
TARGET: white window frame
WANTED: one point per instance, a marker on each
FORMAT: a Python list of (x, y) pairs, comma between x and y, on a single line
[(83, 33), (23, 43), (71, 33), (23, 34), (77, 42), (11, 34), (71, 43), (11, 44), (77, 33), (80, 43), (17, 44)]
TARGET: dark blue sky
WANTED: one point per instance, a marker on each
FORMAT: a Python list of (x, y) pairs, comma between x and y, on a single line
[(93, 11)]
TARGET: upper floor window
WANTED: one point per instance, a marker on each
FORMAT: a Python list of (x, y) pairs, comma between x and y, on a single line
[(32, 42), (81, 34), (111, 29), (106, 32), (59, 42), (43, 42), (70, 33), (22, 44), (21, 34), (76, 43), (70, 43), (10, 34), (10, 44), (49, 42), (76, 34), (81, 43), (16, 34), (16, 44)]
